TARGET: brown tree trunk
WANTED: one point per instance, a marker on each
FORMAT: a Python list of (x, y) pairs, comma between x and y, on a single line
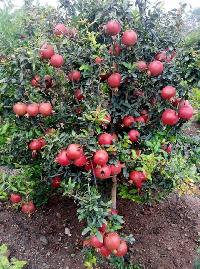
[(114, 193)]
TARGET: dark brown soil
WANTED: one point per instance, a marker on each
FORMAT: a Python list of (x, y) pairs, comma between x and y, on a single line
[(166, 234)]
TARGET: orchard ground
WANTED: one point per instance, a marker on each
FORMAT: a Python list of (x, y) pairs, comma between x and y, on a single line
[(166, 234)]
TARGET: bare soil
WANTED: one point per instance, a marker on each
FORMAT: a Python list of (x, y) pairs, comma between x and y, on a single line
[(166, 234)]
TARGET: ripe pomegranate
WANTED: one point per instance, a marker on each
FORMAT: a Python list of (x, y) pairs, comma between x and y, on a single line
[(183, 102), (167, 148), (114, 80), (105, 139), (122, 249), (35, 145), (100, 157), (94, 242), (45, 109), (28, 208), (88, 166), (60, 29), (169, 117), (145, 115), (115, 49), (74, 76), (103, 228), (185, 112), (98, 60), (106, 120), (156, 68), (56, 181), (134, 135), (20, 109), (78, 95), (74, 151), (112, 28), (42, 142), (129, 38), (168, 92), (15, 198), (32, 110), (35, 82), (141, 65), (128, 121), (114, 211), (116, 168), (81, 161), (62, 158), (112, 241), (102, 172), (139, 119), (57, 60), (104, 251), (46, 51), (161, 56), (138, 178)]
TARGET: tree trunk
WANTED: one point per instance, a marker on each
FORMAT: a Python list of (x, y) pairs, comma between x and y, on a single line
[(114, 193)]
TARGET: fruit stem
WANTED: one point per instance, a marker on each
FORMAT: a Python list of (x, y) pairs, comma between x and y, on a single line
[(114, 192)]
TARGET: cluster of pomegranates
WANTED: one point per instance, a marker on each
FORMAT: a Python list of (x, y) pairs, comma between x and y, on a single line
[(137, 178), (36, 81), (26, 207), (110, 244), (170, 116), (32, 110)]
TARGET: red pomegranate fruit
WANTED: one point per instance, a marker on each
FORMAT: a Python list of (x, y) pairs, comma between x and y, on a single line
[(74, 151), (140, 119), (98, 60), (78, 95), (28, 208), (168, 148), (81, 161), (128, 121), (35, 145), (100, 157), (168, 92), (60, 29), (134, 135), (116, 168), (137, 178), (156, 68), (15, 198), (94, 242), (114, 80), (141, 65), (112, 28), (115, 49), (45, 109), (56, 181), (74, 76), (35, 82), (102, 172), (129, 38), (57, 60), (112, 241), (169, 117), (105, 139), (122, 249), (32, 110), (46, 51), (62, 158), (185, 112), (104, 251), (20, 109)]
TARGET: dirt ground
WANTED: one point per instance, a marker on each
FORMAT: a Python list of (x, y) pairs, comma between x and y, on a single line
[(166, 234)]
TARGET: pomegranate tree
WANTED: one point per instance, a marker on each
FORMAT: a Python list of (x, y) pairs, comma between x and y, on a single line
[(96, 105)]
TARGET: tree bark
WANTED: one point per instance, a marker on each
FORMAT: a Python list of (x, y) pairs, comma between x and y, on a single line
[(114, 193)]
